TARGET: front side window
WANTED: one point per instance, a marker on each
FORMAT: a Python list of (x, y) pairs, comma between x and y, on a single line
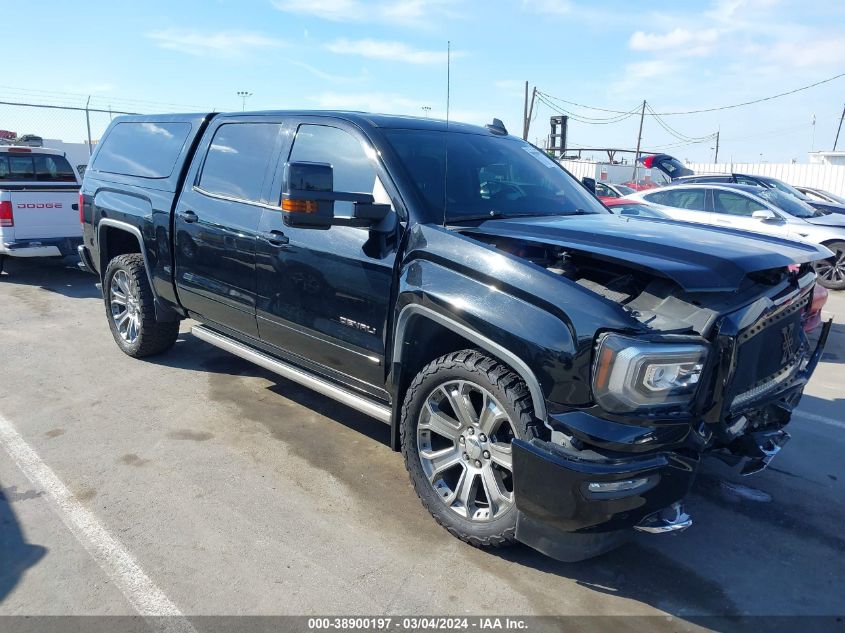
[(735, 204), (353, 169), (604, 191), (785, 202), (237, 160)]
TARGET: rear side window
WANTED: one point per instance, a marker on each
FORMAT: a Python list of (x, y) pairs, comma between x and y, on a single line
[(690, 199), (35, 168), (237, 160), (144, 149)]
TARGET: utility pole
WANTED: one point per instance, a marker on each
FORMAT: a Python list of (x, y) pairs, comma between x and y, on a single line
[(525, 115), (716, 157), (639, 141), (244, 95), (528, 112), (88, 125), (839, 129)]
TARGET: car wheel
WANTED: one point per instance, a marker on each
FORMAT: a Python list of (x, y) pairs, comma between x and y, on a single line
[(831, 272), (459, 416), (130, 307)]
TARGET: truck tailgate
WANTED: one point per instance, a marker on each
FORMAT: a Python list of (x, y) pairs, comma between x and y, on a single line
[(41, 213)]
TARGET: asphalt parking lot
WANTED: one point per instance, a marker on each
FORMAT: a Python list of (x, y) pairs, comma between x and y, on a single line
[(237, 492)]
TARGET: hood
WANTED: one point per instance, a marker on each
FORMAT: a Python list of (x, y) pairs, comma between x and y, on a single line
[(698, 259), (834, 219)]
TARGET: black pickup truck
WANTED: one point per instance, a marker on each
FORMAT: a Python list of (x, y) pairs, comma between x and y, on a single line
[(552, 373)]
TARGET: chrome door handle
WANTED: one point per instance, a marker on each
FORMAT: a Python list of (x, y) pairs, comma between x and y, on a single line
[(276, 238), (188, 216)]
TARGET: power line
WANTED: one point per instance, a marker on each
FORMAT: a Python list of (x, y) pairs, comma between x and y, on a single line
[(584, 119), (703, 110)]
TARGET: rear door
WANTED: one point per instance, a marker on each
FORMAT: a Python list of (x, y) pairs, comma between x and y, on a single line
[(734, 209), (217, 219), (43, 189), (685, 204)]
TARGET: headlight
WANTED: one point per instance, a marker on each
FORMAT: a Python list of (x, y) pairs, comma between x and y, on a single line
[(631, 374)]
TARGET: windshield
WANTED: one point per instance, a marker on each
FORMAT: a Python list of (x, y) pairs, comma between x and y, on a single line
[(625, 191), (785, 188), (786, 202), (489, 176)]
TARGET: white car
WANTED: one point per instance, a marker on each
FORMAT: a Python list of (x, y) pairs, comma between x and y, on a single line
[(39, 204), (759, 210)]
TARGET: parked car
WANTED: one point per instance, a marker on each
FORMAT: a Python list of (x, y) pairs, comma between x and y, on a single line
[(628, 207), (766, 182), (605, 191), (550, 376), (757, 209), (39, 196), (669, 165), (820, 195)]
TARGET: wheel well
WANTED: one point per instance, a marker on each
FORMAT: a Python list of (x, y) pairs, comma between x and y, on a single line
[(424, 341), (114, 242)]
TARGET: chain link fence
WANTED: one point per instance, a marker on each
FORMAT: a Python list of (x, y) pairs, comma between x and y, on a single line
[(74, 130)]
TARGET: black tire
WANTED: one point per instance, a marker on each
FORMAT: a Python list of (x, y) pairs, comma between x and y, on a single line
[(831, 271), (153, 337), (511, 394)]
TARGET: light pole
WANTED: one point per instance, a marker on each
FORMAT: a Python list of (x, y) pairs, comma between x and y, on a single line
[(426, 110), (244, 95)]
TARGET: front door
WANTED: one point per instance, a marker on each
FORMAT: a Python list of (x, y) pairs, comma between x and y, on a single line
[(736, 210), (323, 295), (217, 220)]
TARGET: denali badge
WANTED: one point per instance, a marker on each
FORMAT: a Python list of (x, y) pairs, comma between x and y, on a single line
[(788, 345), (357, 325)]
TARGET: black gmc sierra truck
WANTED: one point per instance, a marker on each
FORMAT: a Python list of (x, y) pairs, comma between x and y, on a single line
[(552, 373)]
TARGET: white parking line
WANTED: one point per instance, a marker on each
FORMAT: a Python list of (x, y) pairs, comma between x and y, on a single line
[(147, 599), (819, 418)]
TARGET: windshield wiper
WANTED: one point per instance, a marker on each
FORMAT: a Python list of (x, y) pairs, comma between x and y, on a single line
[(498, 215)]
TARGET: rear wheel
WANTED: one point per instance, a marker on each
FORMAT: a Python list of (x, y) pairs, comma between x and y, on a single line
[(831, 271), (130, 307), (458, 419)]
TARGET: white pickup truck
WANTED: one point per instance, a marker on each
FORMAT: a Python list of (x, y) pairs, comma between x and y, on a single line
[(39, 204)]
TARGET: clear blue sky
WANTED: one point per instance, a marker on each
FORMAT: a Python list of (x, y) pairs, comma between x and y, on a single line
[(390, 56)]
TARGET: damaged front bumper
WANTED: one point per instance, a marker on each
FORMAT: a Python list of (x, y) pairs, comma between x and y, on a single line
[(571, 508)]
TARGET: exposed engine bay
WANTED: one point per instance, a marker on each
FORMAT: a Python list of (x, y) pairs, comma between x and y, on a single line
[(655, 301)]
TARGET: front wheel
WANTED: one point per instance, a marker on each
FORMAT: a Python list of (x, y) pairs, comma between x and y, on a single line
[(458, 419), (831, 272), (130, 307)]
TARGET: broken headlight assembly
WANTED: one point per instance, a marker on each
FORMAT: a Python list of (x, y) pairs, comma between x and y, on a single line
[(630, 374)]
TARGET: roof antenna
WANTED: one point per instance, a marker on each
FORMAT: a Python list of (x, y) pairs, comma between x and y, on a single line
[(446, 160)]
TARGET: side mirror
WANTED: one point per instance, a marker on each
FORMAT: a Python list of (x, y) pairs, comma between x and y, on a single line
[(765, 215), (306, 195), (308, 199)]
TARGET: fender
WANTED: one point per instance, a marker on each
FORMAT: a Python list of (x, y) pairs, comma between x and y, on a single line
[(500, 352), (163, 312)]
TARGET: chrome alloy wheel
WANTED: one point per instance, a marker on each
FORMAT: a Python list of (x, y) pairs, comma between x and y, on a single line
[(125, 307), (833, 269), (464, 436)]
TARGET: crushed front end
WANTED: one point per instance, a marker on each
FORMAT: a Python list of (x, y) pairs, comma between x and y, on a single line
[(661, 400)]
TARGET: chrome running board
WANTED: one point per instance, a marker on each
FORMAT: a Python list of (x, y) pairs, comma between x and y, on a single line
[(320, 385)]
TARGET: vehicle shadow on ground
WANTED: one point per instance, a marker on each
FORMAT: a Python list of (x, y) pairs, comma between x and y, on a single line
[(835, 349), (660, 571), (16, 555), (192, 354), (832, 408), (59, 275)]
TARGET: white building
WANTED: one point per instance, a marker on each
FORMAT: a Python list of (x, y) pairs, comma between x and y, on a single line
[(827, 158)]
